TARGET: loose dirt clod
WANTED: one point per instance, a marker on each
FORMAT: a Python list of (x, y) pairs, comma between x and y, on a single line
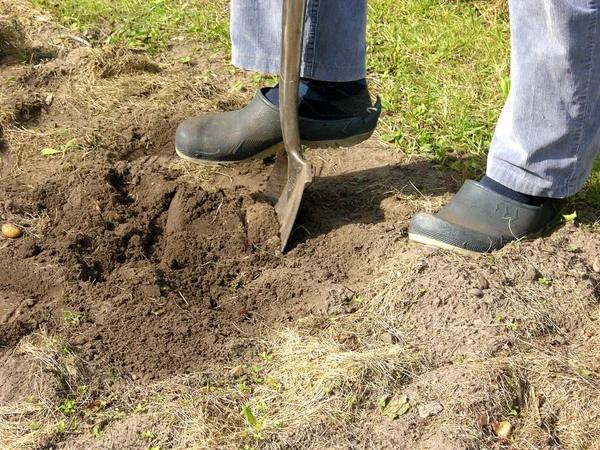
[(430, 409), (475, 292), (483, 283), (386, 338), (531, 274)]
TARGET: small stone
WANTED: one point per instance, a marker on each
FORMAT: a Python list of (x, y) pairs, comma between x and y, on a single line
[(46, 444), (501, 429), (387, 338), (531, 274), (49, 99), (560, 340), (596, 265), (387, 227), (420, 266), (437, 302), (236, 371), (431, 409), (11, 231), (30, 302), (475, 292), (430, 250), (123, 229), (484, 420), (482, 282)]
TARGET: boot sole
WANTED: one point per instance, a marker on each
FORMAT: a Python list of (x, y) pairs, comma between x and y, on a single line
[(434, 242), (335, 143)]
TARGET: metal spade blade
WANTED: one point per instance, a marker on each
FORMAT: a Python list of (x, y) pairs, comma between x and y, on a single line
[(291, 174)]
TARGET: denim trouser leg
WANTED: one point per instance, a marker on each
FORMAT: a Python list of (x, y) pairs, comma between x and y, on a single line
[(548, 134), (334, 47)]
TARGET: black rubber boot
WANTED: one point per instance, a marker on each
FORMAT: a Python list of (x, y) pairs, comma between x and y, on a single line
[(255, 132), (479, 220)]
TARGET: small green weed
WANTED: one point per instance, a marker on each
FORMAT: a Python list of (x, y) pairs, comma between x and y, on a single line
[(69, 407), (141, 407), (148, 435), (394, 407), (505, 86), (63, 149), (61, 427), (72, 318), (515, 411), (266, 356), (257, 425)]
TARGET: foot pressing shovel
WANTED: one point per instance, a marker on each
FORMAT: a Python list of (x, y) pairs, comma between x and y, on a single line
[(291, 173)]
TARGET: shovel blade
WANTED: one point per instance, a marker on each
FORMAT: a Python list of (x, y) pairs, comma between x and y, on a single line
[(290, 175)]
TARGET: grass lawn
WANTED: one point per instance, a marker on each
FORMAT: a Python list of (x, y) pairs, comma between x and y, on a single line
[(438, 66)]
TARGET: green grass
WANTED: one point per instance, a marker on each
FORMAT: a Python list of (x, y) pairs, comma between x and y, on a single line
[(441, 67), (590, 193), (146, 24), (438, 65)]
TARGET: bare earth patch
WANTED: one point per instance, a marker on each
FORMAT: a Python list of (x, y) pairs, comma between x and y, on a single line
[(147, 306)]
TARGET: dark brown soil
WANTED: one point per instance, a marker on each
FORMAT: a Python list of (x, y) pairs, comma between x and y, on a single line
[(165, 275)]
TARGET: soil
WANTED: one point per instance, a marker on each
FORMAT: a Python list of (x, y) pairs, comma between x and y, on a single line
[(151, 268)]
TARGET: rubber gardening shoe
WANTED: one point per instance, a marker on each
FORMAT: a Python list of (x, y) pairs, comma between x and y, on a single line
[(479, 220), (255, 132)]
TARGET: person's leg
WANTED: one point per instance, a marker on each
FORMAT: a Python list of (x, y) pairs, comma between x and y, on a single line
[(548, 134), (334, 44), (546, 139), (335, 106)]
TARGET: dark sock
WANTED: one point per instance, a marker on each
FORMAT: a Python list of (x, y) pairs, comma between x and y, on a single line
[(327, 99), (513, 195)]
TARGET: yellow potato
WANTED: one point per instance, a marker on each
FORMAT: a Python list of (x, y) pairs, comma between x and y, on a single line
[(11, 231)]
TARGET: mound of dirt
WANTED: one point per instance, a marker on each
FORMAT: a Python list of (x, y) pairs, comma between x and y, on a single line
[(161, 276), (148, 265)]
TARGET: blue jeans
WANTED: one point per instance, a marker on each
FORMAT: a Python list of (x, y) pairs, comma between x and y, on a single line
[(548, 134), (334, 47)]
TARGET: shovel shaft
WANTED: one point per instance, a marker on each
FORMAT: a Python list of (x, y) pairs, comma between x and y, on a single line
[(291, 48)]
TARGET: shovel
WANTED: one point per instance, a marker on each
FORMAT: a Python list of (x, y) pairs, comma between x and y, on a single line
[(291, 174)]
